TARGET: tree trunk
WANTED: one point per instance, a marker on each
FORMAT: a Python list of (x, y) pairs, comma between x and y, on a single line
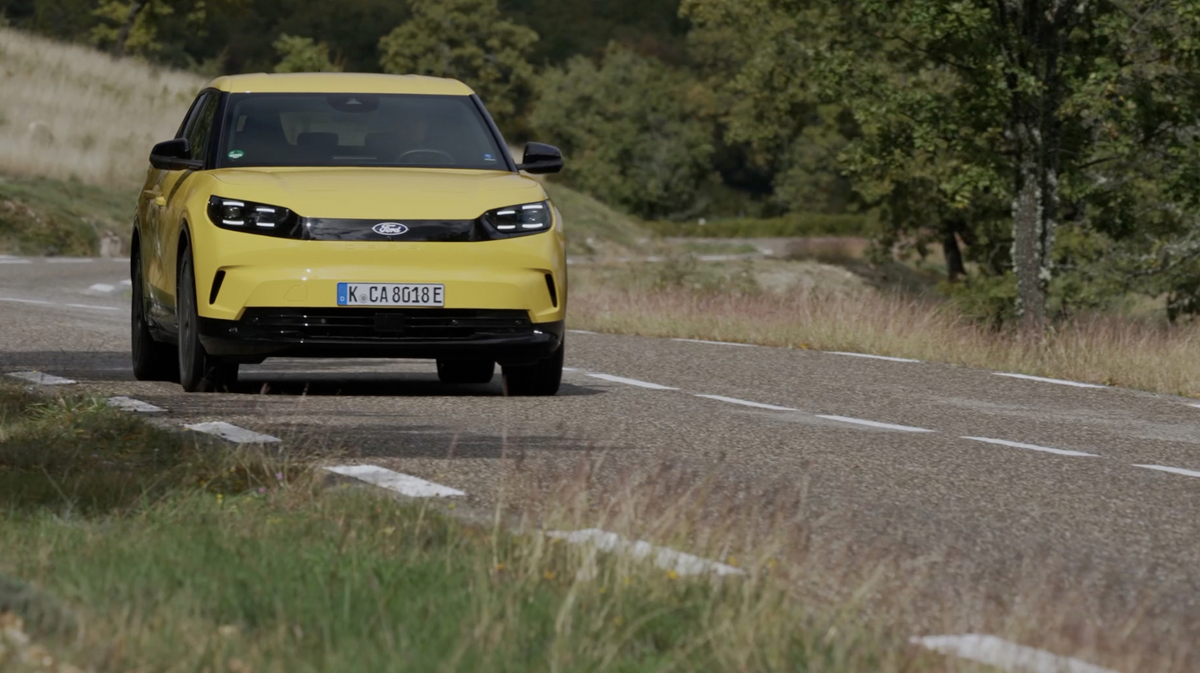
[(1029, 236), (953, 254), (135, 8), (1035, 129)]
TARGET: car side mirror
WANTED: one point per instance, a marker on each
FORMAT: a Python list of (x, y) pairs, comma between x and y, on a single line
[(174, 155), (541, 158)]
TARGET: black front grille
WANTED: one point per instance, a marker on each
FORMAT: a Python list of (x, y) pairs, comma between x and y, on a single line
[(390, 324)]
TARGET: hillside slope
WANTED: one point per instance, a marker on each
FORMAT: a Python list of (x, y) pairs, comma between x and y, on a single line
[(68, 111)]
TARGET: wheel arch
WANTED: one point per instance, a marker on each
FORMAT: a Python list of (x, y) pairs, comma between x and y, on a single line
[(183, 247), (135, 246)]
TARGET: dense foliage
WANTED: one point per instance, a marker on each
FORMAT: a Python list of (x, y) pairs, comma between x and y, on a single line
[(636, 134)]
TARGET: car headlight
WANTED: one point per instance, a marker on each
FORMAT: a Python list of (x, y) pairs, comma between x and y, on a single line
[(254, 218), (529, 218)]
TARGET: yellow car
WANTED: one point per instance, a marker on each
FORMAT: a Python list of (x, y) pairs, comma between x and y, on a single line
[(347, 215)]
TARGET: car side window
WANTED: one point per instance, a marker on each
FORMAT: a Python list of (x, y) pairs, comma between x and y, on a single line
[(200, 127), (188, 118)]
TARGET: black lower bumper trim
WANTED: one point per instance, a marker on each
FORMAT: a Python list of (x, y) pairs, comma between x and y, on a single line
[(504, 336)]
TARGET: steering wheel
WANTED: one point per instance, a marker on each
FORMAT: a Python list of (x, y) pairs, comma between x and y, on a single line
[(449, 159)]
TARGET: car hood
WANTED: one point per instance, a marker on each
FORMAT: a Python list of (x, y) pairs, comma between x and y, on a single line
[(379, 193)]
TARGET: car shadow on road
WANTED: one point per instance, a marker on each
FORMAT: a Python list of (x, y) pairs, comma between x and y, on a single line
[(399, 384), (375, 441), (320, 378)]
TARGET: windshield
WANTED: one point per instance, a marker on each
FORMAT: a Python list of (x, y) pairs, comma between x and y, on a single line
[(317, 129)]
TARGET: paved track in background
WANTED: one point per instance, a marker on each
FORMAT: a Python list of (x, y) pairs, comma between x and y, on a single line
[(1006, 472)]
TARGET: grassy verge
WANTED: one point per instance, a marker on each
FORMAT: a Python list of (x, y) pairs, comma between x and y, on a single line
[(149, 552), (592, 227), (40, 216), (726, 302)]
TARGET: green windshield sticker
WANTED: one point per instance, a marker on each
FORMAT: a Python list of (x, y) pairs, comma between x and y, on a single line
[(236, 154)]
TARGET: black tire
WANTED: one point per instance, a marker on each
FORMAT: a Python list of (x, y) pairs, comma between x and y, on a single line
[(152, 360), (466, 371), (540, 379), (199, 372)]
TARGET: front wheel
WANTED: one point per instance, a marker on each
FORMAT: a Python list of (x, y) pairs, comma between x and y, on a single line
[(152, 361), (539, 379), (199, 372)]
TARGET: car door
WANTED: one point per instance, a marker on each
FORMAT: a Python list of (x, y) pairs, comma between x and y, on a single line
[(149, 220), (171, 190)]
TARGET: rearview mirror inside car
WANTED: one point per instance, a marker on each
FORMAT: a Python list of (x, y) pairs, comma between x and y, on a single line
[(174, 155), (541, 158)]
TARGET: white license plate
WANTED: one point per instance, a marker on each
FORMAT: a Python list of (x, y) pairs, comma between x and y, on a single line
[(391, 294)]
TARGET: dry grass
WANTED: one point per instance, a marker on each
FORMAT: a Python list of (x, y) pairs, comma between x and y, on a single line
[(70, 112), (882, 590), (1108, 350)]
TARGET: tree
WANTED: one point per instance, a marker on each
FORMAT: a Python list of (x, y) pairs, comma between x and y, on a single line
[(152, 27), (633, 130), (469, 41), (301, 54), (1047, 105), (767, 111)]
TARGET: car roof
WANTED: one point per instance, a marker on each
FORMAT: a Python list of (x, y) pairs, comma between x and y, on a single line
[(339, 82)]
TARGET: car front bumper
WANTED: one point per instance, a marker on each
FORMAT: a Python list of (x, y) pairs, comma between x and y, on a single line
[(503, 336)]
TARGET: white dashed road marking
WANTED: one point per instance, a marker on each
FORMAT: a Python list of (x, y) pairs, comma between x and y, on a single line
[(404, 484), (1006, 655), (1031, 447), (102, 288), (232, 433), (663, 557), (715, 343), (745, 403), (1172, 470), (1060, 382), (872, 424), (38, 302), (580, 331), (629, 382), (43, 379), (873, 357), (130, 404)]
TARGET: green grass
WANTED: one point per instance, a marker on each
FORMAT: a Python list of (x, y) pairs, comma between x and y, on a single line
[(77, 455), (40, 216), (346, 581), (127, 547)]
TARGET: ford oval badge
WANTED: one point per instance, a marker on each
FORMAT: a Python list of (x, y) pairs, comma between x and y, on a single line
[(389, 229)]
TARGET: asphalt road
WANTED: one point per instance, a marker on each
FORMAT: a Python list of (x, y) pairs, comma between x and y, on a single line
[(1099, 485)]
